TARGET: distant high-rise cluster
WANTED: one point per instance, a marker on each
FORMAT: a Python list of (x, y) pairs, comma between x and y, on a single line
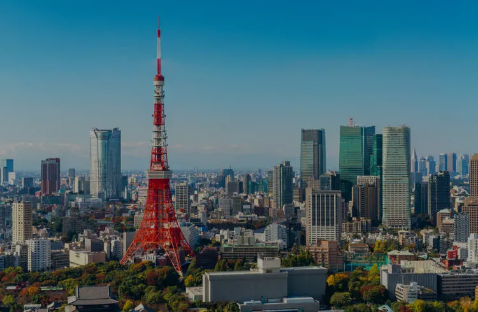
[(6, 167)]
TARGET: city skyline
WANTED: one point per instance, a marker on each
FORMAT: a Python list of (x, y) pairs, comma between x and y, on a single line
[(391, 70)]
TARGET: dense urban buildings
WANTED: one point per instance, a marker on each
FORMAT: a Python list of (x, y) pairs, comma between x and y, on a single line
[(312, 154), (50, 176), (105, 163), (396, 177)]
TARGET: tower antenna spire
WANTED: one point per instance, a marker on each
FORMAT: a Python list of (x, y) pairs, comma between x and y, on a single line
[(158, 52), (159, 229)]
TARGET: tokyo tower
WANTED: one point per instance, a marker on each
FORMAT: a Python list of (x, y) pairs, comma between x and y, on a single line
[(159, 229)]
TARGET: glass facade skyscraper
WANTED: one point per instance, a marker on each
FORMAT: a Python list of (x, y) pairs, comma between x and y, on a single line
[(356, 146), (396, 177), (105, 163), (6, 166), (312, 154)]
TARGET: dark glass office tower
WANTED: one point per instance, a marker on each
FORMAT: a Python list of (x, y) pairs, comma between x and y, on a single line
[(312, 154), (356, 146)]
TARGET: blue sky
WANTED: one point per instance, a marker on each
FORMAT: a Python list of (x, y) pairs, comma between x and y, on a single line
[(242, 77)]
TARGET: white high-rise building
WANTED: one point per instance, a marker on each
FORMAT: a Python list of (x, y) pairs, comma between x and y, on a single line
[(21, 222), (39, 255), (473, 248), (191, 234), (324, 215), (105, 163), (396, 177)]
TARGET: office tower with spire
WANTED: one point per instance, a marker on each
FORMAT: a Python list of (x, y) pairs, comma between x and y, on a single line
[(105, 163), (312, 154), (50, 176), (282, 187), (438, 194), (414, 165), (396, 177), (356, 146)]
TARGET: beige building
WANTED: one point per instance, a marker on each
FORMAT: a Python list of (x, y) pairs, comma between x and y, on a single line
[(471, 209), (83, 257), (327, 254), (21, 222)]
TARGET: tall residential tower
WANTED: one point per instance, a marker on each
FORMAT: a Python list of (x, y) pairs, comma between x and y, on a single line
[(105, 163), (396, 177)]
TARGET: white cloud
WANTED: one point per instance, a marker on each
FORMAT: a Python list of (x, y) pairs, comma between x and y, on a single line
[(12, 149)]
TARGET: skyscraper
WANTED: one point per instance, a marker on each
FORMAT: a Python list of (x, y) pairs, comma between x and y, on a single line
[(356, 146), (105, 163), (442, 162), (6, 166), (312, 154), (474, 175), (368, 191), (21, 222), (414, 161), (376, 158), (182, 192), (50, 176), (422, 167), (431, 165), (323, 216), (282, 184), (396, 177), (71, 176), (463, 164), (451, 162), (462, 227), (438, 193)]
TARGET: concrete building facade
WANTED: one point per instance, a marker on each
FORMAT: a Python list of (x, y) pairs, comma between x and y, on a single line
[(323, 215), (21, 222)]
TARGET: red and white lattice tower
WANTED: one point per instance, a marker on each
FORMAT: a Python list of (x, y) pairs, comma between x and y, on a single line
[(159, 229)]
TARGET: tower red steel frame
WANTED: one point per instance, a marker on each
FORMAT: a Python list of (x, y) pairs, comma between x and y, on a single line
[(159, 228)]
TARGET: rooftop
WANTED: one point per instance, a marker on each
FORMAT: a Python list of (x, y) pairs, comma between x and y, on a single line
[(400, 253)]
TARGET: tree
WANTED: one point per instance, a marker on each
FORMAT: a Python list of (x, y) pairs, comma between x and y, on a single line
[(340, 299), (129, 305), (232, 307), (419, 306), (8, 300)]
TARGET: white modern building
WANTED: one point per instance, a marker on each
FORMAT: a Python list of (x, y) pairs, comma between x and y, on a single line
[(396, 177), (39, 254), (105, 163), (473, 248), (276, 233), (191, 234), (324, 215)]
